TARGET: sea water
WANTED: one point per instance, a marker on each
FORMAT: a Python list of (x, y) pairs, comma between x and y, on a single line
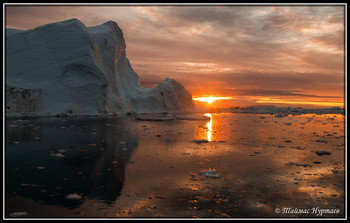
[(235, 165)]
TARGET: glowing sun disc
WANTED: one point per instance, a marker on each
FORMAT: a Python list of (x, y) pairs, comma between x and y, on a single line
[(210, 100)]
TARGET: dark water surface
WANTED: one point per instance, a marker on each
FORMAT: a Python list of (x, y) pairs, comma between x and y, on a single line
[(118, 167)]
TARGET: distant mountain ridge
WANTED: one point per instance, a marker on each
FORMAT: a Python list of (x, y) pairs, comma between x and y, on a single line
[(68, 68)]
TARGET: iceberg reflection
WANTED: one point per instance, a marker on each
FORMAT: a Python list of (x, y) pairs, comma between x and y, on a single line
[(94, 154)]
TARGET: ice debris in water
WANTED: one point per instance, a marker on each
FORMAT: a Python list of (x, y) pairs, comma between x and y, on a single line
[(58, 155), (335, 170), (200, 141), (224, 215), (154, 118), (211, 173), (323, 152), (149, 210), (73, 196), (18, 214), (321, 140), (192, 117), (297, 164)]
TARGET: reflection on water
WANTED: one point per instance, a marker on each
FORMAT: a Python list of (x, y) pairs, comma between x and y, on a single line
[(47, 159), (127, 168), (209, 126)]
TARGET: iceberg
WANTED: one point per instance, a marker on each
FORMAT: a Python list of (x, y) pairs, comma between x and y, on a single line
[(66, 68)]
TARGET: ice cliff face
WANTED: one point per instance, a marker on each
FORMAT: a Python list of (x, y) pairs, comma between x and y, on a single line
[(68, 68)]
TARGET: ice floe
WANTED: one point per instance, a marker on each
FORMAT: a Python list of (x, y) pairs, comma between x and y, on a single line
[(18, 214), (73, 196), (322, 152), (211, 173)]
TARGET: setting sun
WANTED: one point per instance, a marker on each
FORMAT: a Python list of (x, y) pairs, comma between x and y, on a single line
[(210, 100)]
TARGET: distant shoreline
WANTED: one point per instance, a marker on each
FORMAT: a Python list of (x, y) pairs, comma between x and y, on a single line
[(278, 110), (270, 110)]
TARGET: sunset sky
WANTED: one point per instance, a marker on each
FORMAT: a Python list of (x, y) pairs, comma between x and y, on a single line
[(247, 55)]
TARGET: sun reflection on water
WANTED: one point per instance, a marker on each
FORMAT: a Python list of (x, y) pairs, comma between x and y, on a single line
[(209, 126)]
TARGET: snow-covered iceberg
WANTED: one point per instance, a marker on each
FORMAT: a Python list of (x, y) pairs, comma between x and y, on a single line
[(68, 68)]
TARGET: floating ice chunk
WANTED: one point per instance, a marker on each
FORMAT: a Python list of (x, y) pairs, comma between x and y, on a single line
[(211, 173), (298, 148), (149, 210), (73, 196), (155, 118), (335, 170), (323, 152), (297, 164), (58, 155), (321, 140), (18, 214), (192, 117), (159, 196), (290, 163), (224, 215), (304, 165), (200, 141)]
